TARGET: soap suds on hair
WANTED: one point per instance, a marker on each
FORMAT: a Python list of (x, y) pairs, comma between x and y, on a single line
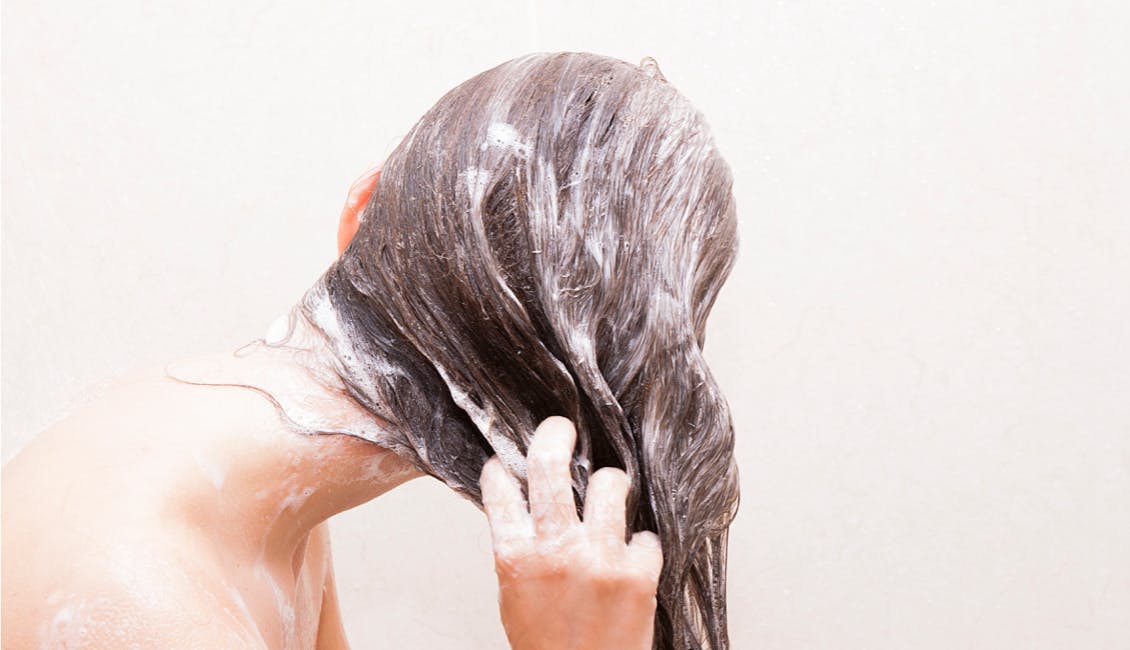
[(548, 240), (475, 179), (278, 330), (505, 136)]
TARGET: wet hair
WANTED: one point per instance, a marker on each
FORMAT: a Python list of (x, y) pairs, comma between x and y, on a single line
[(549, 240)]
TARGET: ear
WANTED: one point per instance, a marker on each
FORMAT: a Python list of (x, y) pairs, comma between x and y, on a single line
[(359, 194)]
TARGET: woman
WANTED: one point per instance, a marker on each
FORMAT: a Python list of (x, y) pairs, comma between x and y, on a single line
[(547, 241)]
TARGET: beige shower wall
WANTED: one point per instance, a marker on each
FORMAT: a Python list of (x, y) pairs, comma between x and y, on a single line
[(924, 341)]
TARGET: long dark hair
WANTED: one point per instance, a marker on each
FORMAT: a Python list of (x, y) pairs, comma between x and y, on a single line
[(549, 240)]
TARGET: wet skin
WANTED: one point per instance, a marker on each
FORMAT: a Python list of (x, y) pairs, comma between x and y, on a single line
[(172, 515)]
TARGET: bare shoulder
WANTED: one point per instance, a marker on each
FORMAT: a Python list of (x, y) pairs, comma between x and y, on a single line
[(128, 596), (89, 560)]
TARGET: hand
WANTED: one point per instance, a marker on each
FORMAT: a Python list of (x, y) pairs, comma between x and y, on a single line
[(564, 583)]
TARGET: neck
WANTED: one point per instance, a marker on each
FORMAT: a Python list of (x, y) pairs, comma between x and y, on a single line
[(292, 451)]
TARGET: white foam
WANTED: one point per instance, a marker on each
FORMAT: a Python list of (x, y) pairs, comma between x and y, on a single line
[(284, 605), (278, 330), (506, 448), (68, 628), (505, 136), (325, 317), (295, 499), (476, 180), (594, 250), (249, 620)]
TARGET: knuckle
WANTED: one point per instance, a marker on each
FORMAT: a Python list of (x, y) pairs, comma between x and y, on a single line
[(505, 569), (504, 512), (511, 569), (606, 537), (598, 571), (620, 579), (510, 553), (550, 512), (547, 565), (538, 560), (604, 581), (639, 584)]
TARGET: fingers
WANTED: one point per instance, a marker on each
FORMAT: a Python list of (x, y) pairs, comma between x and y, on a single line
[(605, 503), (547, 475), (504, 504), (646, 553), (531, 542)]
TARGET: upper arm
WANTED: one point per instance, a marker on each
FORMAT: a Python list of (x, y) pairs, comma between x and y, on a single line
[(331, 630)]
